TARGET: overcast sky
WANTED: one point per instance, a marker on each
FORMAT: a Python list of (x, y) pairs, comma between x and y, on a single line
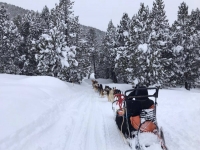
[(98, 13)]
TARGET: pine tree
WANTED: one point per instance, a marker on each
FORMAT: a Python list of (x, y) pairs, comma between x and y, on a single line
[(141, 24), (193, 46), (139, 40), (123, 30), (66, 6), (9, 41), (54, 55), (45, 15), (12, 51), (118, 51), (91, 39), (55, 58), (158, 69), (108, 53), (4, 23), (184, 43), (30, 30), (84, 64)]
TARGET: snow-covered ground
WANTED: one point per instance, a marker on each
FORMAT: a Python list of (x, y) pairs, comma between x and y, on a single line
[(44, 113)]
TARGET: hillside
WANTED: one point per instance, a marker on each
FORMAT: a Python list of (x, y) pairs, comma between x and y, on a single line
[(100, 34), (15, 10)]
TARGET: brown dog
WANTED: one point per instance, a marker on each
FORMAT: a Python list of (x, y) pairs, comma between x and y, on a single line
[(111, 95), (94, 83)]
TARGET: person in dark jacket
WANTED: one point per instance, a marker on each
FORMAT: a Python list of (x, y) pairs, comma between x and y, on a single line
[(135, 106), (134, 109), (145, 101)]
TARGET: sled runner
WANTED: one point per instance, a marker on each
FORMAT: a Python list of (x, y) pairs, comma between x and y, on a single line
[(136, 118)]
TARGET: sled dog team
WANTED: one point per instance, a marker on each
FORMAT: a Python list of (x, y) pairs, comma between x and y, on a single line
[(108, 91), (136, 115)]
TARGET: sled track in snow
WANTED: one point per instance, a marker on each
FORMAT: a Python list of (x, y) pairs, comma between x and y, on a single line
[(85, 121), (22, 137), (90, 127)]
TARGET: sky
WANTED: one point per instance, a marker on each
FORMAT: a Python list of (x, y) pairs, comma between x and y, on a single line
[(98, 13), (45, 113)]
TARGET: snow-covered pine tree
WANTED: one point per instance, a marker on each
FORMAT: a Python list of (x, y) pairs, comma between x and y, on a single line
[(121, 50), (12, 51), (91, 39), (82, 57), (193, 46), (72, 34), (103, 69), (68, 18), (54, 56), (158, 69), (183, 40), (84, 64), (122, 64), (197, 42), (139, 33), (28, 31), (108, 53), (141, 24), (4, 24), (74, 31), (45, 15), (101, 65), (9, 42), (133, 54), (123, 30)]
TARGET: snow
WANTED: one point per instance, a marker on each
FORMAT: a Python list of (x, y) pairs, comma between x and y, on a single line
[(125, 33), (143, 47), (83, 41), (178, 48), (162, 43), (46, 37), (45, 113), (92, 76)]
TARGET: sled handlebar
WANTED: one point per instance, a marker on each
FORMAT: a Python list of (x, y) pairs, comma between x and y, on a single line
[(152, 88)]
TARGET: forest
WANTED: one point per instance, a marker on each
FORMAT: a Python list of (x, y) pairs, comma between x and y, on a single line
[(142, 48)]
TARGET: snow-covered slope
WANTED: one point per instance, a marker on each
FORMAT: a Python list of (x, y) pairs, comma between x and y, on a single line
[(44, 113)]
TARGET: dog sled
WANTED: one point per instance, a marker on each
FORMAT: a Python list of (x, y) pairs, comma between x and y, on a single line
[(136, 119)]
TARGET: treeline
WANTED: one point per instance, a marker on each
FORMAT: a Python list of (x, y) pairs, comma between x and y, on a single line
[(146, 49), (47, 43)]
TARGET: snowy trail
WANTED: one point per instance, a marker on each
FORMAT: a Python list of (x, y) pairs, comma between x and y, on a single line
[(97, 129), (77, 118), (78, 122)]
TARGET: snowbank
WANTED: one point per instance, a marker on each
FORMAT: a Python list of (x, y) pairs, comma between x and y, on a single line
[(23, 99), (42, 81)]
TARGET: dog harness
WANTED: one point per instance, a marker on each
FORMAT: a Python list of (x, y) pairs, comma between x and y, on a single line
[(120, 99)]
